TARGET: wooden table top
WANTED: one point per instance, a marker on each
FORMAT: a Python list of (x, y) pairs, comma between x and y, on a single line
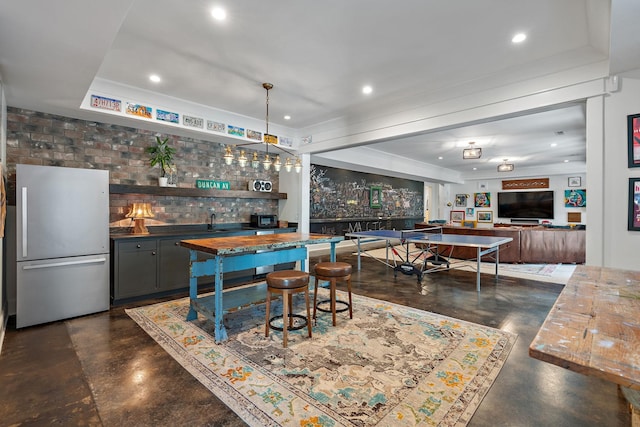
[(594, 326), (240, 244)]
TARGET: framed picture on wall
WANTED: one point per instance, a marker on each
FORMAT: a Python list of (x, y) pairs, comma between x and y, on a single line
[(375, 197), (634, 204), (482, 200), (575, 198), (485, 216), (470, 211), (461, 200), (633, 129), (457, 216), (575, 181)]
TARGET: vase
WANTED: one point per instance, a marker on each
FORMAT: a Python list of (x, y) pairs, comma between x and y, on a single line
[(163, 181)]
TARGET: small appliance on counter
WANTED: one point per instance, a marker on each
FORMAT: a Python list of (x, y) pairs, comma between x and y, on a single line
[(264, 221)]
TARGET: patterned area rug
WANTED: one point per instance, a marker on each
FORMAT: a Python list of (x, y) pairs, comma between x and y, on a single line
[(552, 273), (388, 366)]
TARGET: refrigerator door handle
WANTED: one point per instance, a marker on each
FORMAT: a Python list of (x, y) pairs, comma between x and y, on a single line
[(24, 222), (62, 264)]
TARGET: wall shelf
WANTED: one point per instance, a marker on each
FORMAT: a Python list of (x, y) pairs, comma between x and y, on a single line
[(191, 192)]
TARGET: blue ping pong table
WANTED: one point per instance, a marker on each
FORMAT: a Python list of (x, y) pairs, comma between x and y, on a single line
[(427, 249)]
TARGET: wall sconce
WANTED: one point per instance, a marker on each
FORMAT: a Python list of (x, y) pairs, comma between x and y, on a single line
[(472, 152), (138, 212), (505, 167)]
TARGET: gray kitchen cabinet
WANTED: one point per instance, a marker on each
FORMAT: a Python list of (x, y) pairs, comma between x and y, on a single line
[(145, 266), (135, 272), (173, 265)]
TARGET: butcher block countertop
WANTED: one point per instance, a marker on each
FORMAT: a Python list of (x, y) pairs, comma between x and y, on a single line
[(594, 326), (240, 244)]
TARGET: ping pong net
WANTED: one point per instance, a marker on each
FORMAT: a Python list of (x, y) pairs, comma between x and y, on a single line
[(419, 233)]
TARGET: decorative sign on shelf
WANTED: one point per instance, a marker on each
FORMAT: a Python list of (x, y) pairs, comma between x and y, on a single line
[(206, 184), (525, 184)]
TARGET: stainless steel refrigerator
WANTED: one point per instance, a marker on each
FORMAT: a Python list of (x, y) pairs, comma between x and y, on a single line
[(62, 242)]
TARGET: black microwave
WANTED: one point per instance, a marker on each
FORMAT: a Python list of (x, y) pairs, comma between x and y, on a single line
[(264, 221)]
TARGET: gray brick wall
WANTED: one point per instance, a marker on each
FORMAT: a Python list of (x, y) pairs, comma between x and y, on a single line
[(45, 139)]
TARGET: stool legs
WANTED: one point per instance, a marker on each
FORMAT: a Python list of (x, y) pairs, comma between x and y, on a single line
[(306, 299), (332, 295), (287, 310)]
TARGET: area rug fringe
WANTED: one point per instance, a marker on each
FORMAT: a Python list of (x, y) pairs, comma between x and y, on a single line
[(446, 366)]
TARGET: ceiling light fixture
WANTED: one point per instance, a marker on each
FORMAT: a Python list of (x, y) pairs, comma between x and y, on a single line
[(219, 14), (505, 167), (269, 141), (154, 78), (472, 152), (519, 38), (367, 90)]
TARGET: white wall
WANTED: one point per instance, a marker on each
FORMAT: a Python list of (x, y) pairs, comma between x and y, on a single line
[(557, 183), (620, 246)]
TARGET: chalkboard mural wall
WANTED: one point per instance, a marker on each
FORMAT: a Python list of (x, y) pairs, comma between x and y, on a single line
[(344, 201)]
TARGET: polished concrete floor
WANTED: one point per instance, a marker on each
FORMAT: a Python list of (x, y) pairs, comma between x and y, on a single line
[(103, 370)]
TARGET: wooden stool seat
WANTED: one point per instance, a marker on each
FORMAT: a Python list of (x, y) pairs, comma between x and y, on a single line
[(287, 283), (332, 272)]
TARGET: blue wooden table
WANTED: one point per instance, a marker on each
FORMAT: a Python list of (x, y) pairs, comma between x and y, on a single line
[(237, 253)]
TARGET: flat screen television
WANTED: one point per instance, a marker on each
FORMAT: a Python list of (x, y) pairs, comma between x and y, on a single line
[(525, 204)]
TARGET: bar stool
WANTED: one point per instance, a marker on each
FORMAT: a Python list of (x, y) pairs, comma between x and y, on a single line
[(287, 283), (332, 272)]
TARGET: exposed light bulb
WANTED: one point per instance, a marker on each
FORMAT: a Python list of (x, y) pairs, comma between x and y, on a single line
[(266, 163), (228, 155), (288, 165), (277, 164), (242, 159)]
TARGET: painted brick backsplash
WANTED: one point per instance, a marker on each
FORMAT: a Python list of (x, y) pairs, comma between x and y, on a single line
[(45, 139)]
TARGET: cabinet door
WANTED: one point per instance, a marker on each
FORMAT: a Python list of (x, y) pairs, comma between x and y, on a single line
[(173, 265), (136, 269)]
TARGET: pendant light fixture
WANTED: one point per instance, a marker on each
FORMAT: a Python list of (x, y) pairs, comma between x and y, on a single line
[(472, 152), (268, 140), (505, 167)]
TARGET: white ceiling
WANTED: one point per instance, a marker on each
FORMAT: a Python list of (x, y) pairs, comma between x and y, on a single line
[(318, 55)]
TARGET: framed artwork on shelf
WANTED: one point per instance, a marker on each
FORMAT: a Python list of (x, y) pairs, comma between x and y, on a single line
[(575, 198), (575, 181), (633, 129), (375, 197), (485, 216), (457, 216), (482, 200), (461, 200), (634, 204)]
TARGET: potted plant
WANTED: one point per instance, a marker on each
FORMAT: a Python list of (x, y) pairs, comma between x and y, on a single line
[(161, 154)]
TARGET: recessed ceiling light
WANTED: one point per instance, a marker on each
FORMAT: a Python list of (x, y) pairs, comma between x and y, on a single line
[(367, 89), (519, 38), (154, 78), (475, 169), (566, 161), (440, 157), (553, 144), (287, 117), (218, 14)]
